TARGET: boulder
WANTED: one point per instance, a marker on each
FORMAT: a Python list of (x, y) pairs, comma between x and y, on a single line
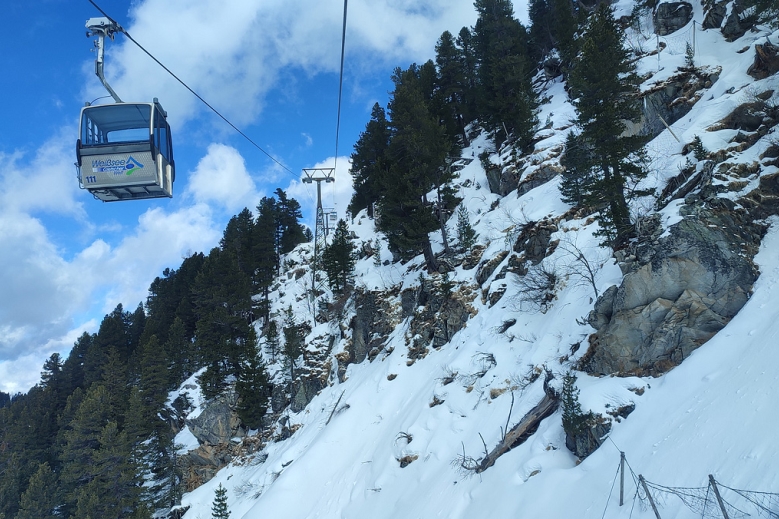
[(218, 422), (715, 15), (587, 441), (766, 61), (669, 17), (697, 279)]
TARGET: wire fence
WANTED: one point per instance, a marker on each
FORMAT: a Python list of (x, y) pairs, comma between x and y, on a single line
[(714, 501)]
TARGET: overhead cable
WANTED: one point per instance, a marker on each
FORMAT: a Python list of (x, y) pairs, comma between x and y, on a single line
[(195, 93)]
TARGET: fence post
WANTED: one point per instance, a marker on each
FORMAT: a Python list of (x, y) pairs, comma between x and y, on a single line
[(648, 495), (621, 478), (713, 484)]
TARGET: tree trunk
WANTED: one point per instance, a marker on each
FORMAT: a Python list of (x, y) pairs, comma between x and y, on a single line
[(432, 264)]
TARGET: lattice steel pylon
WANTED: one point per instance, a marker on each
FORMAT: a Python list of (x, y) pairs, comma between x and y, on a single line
[(318, 175)]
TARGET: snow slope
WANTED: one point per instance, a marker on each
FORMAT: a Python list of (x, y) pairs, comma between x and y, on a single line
[(716, 413)]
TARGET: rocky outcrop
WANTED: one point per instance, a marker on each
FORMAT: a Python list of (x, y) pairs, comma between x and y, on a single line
[(727, 16), (215, 427), (534, 240), (438, 317), (538, 178), (669, 17), (502, 181), (218, 422), (587, 441), (374, 320), (766, 61), (673, 98), (693, 282)]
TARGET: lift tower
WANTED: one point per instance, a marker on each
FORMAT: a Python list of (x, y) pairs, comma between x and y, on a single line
[(318, 175)]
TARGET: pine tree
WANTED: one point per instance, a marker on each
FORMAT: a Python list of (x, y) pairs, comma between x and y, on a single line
[(293, 340), (466, 235), (604, 86), (451, 87), (290, 231), (219, 508), (338, 258), (39, 501), (252, 387), (272, 339), (265, 255), (418, 150), (369, 162), (577, 179), (506, 97), (82, 439), (575, 420), (238, 240)]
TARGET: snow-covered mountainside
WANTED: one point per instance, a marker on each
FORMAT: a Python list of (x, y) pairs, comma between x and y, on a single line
[(402, 433)]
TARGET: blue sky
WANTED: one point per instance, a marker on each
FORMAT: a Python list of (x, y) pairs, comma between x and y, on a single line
[(269, 66)]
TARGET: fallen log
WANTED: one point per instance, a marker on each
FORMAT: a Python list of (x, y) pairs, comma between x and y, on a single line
[(524, 429)]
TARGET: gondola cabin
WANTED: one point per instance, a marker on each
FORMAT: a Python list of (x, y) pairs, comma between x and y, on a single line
[(125, 152)]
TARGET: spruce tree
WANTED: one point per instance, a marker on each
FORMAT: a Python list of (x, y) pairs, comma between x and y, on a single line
[(39, 500), (265, 255), (293, 340), (219, 508), (418, 150), (575, 420), (369, 162), (272, 338), (290, 231), (338, 258), (604, 88), (466, 235), (506, 96), (578, 179), (252, 387)]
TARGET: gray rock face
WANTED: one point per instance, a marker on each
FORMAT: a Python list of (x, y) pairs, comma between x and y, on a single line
[(588, 441), (218, 422), (698, 278), (669, 17), (304, 389)]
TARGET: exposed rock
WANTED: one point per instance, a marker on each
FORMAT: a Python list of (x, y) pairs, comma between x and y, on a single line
[(279, 398), (669, 17), (735, 25), (503, 181), (538, 178), (698, 278), (473, 257), (218, 422), (488, 267), (586, 442), (534, 240), (202, 464), (764, 201), (673, 98), (747, 117), (436, 322), (715, 15), (304, 389), (766, 61), (604, 308), (373, 322)]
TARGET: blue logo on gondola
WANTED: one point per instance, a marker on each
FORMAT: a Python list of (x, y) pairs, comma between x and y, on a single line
[(132, 165)]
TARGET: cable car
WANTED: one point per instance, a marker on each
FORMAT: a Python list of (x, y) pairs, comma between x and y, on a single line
[(124, 150)]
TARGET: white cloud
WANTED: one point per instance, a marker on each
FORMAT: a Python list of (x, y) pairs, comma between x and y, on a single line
[(44, 182), (233, 52), (221, 177)]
